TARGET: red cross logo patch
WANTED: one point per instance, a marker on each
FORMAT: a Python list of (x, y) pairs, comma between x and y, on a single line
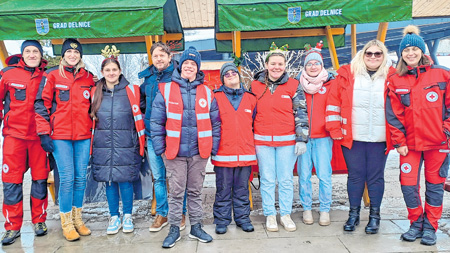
[(202, 102), (406, 168), (5, 168), (432, 96), (323, 90), (135, 108)]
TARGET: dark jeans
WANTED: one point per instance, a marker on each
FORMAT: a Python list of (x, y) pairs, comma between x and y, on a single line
[(232, 194), (365, 163)]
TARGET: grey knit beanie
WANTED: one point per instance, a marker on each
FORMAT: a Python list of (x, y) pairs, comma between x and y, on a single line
[(226, 67), (313, 55)]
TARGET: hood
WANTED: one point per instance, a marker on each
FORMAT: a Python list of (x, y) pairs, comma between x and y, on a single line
[(232, 92)]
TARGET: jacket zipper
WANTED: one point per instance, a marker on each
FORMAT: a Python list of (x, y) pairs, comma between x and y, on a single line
[(7, 119), (112, 137), (429, 87), (189, 103)]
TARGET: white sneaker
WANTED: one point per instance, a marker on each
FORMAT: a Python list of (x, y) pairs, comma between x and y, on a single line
[(324, 219), (307, 217), (271, 223), (287, 223), (127, 226), (114, 225)]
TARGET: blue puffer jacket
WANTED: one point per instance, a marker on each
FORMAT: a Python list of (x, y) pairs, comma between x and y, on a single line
[(150, 85), (189, 139), (115, 150)]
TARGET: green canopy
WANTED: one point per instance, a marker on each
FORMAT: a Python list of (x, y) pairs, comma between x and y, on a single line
[(43, 19), (258, 15)]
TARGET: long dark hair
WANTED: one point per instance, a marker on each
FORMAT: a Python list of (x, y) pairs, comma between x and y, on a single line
[(98, 94)]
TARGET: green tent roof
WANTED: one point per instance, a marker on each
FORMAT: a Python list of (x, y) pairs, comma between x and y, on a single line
[(43, 19), (254, 15), (259, 15)]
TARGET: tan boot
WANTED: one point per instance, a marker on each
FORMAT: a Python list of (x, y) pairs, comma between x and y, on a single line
[(78, 222), (69, 231)]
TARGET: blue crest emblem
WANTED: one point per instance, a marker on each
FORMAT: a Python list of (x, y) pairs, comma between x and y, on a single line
[(42, 26), (294, 14)]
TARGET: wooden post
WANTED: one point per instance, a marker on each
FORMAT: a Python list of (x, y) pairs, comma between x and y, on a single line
[(353, 38), (382, 29), (164, 38), (332, 48), (148, 44), (236, 40), (3, 53)]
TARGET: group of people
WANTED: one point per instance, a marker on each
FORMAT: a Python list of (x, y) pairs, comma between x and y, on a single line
[(368, 108)]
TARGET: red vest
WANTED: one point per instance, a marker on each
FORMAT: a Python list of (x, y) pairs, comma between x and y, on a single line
[(174, 111), (134, 95), (274, 123), (237, 147)]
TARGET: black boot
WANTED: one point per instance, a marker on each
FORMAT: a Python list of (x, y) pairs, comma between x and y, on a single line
[(374, 221), (353, 218)]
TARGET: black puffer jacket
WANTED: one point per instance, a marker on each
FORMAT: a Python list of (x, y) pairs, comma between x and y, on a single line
[(115, 150)]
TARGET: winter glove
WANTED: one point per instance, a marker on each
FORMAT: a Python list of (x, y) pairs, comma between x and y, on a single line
[(46, 143), (300, 148)]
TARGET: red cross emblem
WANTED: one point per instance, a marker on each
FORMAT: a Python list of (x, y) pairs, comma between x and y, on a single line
[(406, 168), (432, 96), (322, 90)]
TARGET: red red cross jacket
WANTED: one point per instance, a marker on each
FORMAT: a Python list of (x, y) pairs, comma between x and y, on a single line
[(316, 104), (19, 85), (237, 147), (418, 108), (62, 104)]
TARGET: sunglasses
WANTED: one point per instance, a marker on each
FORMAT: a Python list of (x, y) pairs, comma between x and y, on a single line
[(313, 64), (376, 54), (230, 74)]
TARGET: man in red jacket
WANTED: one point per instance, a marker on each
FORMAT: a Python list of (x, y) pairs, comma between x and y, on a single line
[(22, 149)]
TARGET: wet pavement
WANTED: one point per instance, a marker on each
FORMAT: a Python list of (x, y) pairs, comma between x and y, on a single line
[(307, 238)]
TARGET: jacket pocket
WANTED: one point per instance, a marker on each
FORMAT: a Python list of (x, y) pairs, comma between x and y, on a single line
[(20, 91), (63, 92), (405, 96)]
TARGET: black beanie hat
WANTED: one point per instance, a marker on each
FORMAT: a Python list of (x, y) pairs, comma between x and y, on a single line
[(33, 43), (71, 44)]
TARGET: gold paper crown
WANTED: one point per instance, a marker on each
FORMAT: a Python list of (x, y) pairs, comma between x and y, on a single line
[(110, 52)]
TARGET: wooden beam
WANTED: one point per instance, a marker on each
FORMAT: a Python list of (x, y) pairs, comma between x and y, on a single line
[(281, 33), (382, 30), (3, 53), (166, 36), (237, 44), (332, 48), (148, 44), (353, 39), (157, 38)]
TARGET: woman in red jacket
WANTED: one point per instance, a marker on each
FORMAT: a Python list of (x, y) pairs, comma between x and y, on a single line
[(64, 127), (417, 110), (355, 115)]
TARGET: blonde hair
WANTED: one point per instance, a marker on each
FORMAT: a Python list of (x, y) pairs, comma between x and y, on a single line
[(358, 66)]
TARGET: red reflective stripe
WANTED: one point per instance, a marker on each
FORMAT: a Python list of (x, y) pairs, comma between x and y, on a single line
[(203, 97)]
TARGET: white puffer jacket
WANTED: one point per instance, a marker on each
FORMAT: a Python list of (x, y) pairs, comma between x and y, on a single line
[(368, 113)]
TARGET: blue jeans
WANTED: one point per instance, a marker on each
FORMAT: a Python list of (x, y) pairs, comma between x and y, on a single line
[(72, 158), (159, 181), (318, 153), (126, 193), (276, 164)]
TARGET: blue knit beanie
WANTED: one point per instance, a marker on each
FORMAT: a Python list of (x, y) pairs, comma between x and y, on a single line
[(191, 54), (33, 43), (313, 55), (71, 44), (411, 38)]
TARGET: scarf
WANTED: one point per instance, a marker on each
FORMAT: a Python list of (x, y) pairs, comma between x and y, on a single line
[(312, 85)]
